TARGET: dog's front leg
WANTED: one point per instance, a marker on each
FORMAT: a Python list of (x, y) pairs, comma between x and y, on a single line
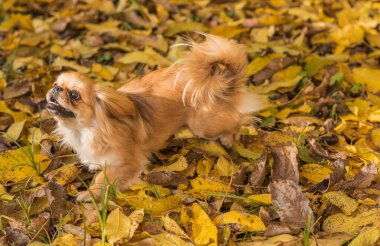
[(119, 177)]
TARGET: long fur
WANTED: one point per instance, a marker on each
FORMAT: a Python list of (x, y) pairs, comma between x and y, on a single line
[(215, 70), (122, 127)]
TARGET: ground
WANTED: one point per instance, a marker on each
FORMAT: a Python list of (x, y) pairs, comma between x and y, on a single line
[(306, 173)]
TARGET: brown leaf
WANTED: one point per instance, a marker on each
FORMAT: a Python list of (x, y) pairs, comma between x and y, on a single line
[(258, 174), (17, 89), (276, 228), (317, 149), (17, 237), (290, 203), (333, 178), (362, 179), (153, 227), (273, 67), (165, 178), (40, 224), (321, 89), (285, 164), (5, 121)]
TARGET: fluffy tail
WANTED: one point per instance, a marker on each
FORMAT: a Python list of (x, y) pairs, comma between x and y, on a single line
[(214, 70)]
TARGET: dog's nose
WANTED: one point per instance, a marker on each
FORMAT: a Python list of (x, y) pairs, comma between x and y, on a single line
[(52, 99), (57, 88)]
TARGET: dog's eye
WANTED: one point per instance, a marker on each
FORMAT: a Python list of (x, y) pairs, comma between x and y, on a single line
[(74, 95)]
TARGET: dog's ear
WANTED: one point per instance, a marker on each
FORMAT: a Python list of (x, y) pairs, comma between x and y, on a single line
[(113, 103)]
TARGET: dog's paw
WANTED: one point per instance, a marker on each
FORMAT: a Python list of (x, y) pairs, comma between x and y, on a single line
[(85, 196)]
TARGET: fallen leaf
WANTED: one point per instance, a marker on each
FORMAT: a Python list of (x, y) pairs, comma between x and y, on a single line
[(201, 187), (16, 165), (339, 199), (14, 131), (369, 237), (368, 77), (117, 226), (350, 224), (149, 56), (314, 173), (285, 164), (225, 167), (172, 226), (60, 62), (257, 177), (166, 178), (204, 232), (178, 166), (63, 175), (174, 27), (246, 222), (287, 195)]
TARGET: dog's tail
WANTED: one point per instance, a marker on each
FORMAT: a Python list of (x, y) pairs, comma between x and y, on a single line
[(213, 70)]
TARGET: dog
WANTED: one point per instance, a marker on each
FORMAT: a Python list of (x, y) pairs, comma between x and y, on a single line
[(120, 128)]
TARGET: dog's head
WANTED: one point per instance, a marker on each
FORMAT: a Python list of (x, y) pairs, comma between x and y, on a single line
[(75, 98)]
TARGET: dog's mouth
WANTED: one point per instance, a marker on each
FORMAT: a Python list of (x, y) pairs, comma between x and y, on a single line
[(54, 107)]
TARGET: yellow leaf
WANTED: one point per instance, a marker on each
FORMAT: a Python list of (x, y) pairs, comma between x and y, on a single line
[(374, 116), (25, 22), (227, 31), (3, 83), (263, 198), (136, 217), (117, 226), (60, 62), (368, 201), (261, 62), (17, 116), (204, 232), (351, 224), (375, 136), (165, 239), (342, 201), (19, 164), (314, 173), (204, 166), (367, 238), (14, 131), (204, 186), (341, 127), (178, 166), (176, 27), (64, 175), (64, 53), (172, 226), (149, 56), (155, 206), (283, 114), (246, 152), (67, 240), (184, 134), (30, 62), (367, 76), (287, 73), (210, 147), (225, 167), (190, 2), (263, 89), (105, 27), (248, 222), (248, 130), (4, 195), (23, 107)]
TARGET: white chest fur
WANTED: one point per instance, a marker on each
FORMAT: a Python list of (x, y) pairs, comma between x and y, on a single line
[(81, 140)]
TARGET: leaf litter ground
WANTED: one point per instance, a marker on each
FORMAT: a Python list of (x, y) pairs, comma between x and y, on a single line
[(305, 174)]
